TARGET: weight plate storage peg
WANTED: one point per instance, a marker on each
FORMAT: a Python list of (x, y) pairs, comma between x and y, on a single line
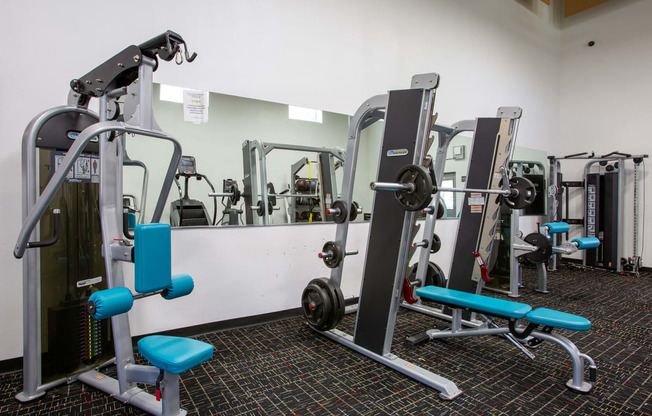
[(544, 248), (339, 212), (323, 304), (332, 254), (422, 188), (524, 194)]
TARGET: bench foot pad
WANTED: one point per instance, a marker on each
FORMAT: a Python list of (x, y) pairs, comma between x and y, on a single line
[(585, 389)]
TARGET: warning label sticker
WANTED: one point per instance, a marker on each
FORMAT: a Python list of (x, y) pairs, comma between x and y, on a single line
[(476, 202)]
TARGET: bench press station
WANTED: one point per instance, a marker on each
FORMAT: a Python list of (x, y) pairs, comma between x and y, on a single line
[(128, 74)]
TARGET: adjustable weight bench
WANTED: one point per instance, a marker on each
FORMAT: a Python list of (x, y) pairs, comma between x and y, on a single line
[(514, 312), (170, 356)]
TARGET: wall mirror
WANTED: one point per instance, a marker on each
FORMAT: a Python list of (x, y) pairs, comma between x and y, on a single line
[(266, 163)]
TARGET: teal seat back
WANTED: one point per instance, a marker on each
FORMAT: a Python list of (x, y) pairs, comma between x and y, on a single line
[(152, 257)]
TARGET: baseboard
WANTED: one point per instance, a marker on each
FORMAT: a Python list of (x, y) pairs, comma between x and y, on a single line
[(10, 365), (191, 331)]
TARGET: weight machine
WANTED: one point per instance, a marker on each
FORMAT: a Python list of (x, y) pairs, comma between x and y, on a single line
[(258, 194), (603, 188), (83, 134)]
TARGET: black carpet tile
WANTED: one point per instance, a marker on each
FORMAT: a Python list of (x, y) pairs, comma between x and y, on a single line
[(284, 368)]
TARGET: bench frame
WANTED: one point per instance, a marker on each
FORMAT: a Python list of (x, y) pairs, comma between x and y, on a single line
[(530, 334)]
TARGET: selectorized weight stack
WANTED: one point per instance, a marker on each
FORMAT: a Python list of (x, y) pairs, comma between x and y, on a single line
[(128, 74)]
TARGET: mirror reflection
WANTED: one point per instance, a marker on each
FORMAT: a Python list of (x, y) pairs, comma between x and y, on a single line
[(254, 162)]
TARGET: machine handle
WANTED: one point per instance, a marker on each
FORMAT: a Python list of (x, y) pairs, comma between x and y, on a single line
[(55, 236)]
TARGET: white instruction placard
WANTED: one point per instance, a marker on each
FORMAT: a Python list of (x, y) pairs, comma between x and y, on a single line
[(195, 106)]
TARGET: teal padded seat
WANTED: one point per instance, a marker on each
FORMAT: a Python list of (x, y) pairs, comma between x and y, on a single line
[(586, 242), (556, 319), (475, 302), (174, 354)]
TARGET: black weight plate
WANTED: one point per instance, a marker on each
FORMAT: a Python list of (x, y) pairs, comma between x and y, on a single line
[(341, 217), (525, 195), (434, 275), (545, 248), (354, 211), (317, 306), (436, 244), (337, 257), (423, 187), (260, 211), (336, 298), (437, 274), (440, 210)]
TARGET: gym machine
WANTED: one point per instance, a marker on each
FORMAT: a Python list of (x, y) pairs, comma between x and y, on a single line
[(186, 212), (512, 249), (320, 193), (603, 188), (128, 74), (409, 175)]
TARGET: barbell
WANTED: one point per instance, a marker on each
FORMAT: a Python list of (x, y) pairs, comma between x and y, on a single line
[(414, 188)]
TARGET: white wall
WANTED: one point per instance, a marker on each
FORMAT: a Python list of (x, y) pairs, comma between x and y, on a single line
[(320, 54), (606, 94)]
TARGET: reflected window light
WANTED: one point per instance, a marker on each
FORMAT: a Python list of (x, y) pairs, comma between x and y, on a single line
[(171, 93), (305, 114)]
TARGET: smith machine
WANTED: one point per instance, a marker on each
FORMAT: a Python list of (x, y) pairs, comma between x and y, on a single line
[(408, 179)]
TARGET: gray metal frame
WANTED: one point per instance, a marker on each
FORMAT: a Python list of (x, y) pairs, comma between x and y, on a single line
[(519, 247), (576, 383), (255, 160), (140, 121), (370, 112)]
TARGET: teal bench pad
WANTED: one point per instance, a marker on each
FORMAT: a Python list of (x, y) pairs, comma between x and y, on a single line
[(586, 242), (556, 319), (557, 227), (475, 302), (174, 354)]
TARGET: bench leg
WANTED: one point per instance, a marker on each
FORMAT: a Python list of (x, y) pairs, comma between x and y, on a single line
[(542, 284), (577, 383)]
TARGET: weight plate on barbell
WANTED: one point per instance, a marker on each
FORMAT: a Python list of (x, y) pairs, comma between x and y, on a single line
[(524, 195), (544, 250), (421, 196)]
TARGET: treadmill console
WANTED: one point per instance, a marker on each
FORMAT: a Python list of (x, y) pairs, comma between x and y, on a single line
[(187, 165)]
